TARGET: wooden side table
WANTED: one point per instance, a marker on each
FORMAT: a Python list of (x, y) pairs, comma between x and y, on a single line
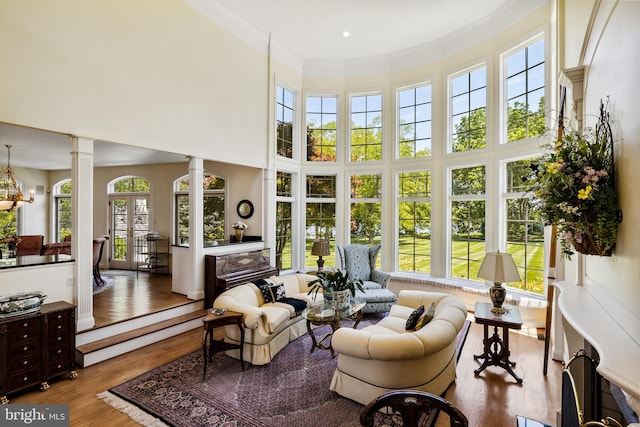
[(496, 349), (215, 346)]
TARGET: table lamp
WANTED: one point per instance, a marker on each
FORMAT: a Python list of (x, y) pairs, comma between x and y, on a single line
[(498, 267), (320, 248)]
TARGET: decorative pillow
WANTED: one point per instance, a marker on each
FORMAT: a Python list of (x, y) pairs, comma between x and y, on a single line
[(277, 292), (263, 285), (427, 316), (413, 318)]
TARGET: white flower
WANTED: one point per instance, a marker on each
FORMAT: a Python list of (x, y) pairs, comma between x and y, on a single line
[(240, 225)]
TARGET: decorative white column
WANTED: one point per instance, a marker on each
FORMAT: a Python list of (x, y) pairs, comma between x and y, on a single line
[(196, 217), (82, 228)]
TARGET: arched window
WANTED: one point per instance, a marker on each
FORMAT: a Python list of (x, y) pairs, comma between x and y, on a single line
[(62, 209), (213, 206)]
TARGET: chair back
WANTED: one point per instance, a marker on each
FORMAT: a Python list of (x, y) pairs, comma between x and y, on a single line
[(98, 245), (410, 408), (358, 260), (29, 245)]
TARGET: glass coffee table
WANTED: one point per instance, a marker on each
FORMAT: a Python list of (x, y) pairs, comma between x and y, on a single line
[(318, 315)]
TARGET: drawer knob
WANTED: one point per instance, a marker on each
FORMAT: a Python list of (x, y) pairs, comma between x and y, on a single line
[(25, 336), (59, 316), (25, 379), (25, 363), (59, 338), (59, 326), (59, 351), (25, 349), (25, 325)]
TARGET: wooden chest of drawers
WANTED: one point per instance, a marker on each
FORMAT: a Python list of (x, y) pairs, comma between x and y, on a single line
[(37, 347)]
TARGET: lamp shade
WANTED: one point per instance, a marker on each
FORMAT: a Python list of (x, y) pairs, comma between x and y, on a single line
[(320, 248), (499, 267)]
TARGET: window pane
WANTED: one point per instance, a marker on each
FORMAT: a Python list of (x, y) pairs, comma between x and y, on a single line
[(366, 128), (467, 238), (414, 122), (468, 102), (321, 129), (284, 122), (468, 181), (525, 93)]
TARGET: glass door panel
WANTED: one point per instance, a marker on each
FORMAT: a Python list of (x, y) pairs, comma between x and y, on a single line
[(129, 224)]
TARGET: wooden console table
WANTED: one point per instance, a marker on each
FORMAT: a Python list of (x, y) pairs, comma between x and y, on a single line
[(496, 349)]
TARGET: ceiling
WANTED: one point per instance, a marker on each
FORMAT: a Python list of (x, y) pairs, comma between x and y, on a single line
[(311, 31)]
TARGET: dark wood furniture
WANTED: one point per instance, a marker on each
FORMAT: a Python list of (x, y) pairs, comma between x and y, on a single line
[(496, 349), (98, 246), (410, 408), (36, 347), (222, 272), (214, 321)]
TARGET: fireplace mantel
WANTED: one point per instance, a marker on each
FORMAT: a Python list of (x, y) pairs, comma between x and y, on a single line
[(619, 349)]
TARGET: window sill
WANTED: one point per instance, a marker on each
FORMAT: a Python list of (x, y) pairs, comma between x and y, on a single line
[(514, 296)]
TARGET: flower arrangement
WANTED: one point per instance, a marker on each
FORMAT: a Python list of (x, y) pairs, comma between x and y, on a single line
[(240, 226), (575, 188)]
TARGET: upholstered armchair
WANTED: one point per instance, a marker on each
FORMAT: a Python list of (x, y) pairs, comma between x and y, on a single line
[(359, 261)]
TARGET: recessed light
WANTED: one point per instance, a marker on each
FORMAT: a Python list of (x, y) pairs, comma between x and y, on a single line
[(346, 34)]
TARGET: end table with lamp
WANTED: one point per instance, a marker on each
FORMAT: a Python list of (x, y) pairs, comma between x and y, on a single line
[(320, 248)]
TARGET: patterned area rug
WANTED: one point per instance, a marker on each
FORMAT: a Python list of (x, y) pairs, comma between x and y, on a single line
[(292, 390)]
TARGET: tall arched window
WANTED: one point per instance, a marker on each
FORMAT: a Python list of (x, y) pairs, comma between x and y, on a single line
[(213, 206), (62, 209)]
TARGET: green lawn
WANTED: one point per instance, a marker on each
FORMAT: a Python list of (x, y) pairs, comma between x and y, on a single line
[(461, 267)]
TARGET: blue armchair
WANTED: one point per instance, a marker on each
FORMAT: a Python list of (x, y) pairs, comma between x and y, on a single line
[(359, 261)]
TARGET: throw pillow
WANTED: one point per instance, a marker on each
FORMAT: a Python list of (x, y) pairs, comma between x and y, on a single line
[(413, 318), (277, 292), (427, 316), (263, 285)]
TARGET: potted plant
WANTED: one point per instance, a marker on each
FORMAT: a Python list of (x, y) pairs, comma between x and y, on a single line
[(336, 287), (575, 188), (239, 228)]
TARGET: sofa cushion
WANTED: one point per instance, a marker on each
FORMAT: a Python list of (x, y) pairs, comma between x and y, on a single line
[(276, 315), (413, 318), (263, 285)]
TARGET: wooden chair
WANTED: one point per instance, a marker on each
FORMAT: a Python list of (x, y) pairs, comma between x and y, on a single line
[(98, 245), (29, 245), (410, 408)]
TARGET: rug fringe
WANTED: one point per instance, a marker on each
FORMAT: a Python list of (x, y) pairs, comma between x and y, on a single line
[(132, 411)]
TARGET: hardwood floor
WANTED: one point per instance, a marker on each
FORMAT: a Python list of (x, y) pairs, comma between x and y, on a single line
[(492, 399), (133, 295)]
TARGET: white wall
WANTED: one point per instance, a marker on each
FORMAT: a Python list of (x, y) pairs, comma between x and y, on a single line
[(612, 62), (152, 73)]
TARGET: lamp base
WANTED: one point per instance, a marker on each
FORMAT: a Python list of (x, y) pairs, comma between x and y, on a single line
[(320, 263), (498, 295)]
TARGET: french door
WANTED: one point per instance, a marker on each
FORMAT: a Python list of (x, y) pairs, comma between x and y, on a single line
[(129, 218)]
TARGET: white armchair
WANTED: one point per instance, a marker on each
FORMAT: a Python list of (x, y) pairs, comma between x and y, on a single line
[(385, 356)]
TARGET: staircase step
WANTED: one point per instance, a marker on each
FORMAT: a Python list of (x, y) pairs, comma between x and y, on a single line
[(105, 348)]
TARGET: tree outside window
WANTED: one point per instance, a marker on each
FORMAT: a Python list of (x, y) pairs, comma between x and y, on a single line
[(63, 210), (284, 122), (322, 113), (366, 128), (284, 221), (467, 221), (414, 122), (213, 210), (469, 111), (525, 79), (525, 231), (366, 209), (320, 216), (414, 221)]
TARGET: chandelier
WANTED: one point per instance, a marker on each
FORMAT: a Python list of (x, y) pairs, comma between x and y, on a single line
[(11, 196)]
